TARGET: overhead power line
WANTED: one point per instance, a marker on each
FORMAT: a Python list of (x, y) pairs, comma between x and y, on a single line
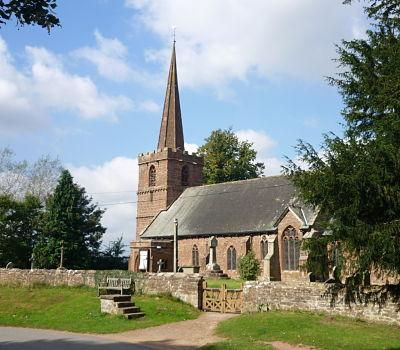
[(187, 196)]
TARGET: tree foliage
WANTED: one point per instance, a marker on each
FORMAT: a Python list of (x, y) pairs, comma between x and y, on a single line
[(70, 220), (20, 178), (30, 12), (19, 228), (115, 248), (228, 159), (249, 267), (355, 180)]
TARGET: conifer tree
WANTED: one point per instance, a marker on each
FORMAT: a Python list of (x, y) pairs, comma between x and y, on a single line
[(71, 221), (355, 180), (19, 228)]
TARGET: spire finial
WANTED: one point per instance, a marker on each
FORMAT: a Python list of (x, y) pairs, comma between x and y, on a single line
[(174, 33)]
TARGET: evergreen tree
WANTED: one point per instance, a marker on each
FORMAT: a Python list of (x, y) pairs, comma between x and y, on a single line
[(228, 159), (71, 221), (356, 180), (19, 227)]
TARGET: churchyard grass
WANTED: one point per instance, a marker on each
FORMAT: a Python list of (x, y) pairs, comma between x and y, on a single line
[(322, 331), (230, 283), (77, 309)]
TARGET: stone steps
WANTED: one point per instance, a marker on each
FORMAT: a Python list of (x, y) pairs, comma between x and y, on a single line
[(120, 305), (134, 315), (128, 310)]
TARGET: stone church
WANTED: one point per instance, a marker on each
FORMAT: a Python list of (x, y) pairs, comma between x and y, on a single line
[(216, 224)]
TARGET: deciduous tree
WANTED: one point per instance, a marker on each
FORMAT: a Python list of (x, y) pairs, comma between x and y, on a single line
[(228, 159), (30, 12)]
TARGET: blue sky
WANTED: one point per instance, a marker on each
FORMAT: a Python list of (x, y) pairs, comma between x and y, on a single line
[(91, 92)]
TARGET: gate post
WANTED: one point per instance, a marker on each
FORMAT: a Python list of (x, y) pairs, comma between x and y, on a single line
[(204, 294), (223, 297)]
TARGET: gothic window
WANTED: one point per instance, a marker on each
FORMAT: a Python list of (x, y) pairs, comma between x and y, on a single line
[(231, 258), (264, 247), (291, 249), (185, 176), (152, 176), (195, 256)]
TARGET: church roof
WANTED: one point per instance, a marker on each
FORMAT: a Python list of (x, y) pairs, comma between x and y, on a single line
[(249, 206), (171, 131)]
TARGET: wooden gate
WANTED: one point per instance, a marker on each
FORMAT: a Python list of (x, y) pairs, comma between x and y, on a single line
[(222, 299)]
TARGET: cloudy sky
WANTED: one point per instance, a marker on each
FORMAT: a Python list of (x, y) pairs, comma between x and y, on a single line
[(91, 92)]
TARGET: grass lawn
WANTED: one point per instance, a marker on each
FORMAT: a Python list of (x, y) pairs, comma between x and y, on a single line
[(321, 331), (230, 283), (78, 310)]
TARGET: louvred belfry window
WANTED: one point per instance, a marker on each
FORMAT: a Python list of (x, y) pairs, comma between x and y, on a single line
[(291, 246), (231, 258), (152, 176), (185, 176)]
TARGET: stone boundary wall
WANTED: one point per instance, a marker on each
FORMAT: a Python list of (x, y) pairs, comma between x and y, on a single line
[(184, 287), (264, 296), (72, 278)]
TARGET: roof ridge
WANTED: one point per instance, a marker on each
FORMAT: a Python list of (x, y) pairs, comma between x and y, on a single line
[(241, 181)]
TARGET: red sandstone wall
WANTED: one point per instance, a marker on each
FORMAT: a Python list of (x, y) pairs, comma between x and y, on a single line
[(168, 164)]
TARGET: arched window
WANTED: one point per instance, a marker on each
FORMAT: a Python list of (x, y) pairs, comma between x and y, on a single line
[(231, 258), (152, 176), (195, 256), (185, 176), (291, 246), (264, 247)]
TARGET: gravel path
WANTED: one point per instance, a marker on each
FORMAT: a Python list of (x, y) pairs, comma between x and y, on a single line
[(179, 335), (184, 335)]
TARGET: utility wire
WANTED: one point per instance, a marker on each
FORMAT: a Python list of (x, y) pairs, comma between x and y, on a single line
[(188, 196)]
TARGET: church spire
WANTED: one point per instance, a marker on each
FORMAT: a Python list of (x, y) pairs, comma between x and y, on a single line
[(171, 131)]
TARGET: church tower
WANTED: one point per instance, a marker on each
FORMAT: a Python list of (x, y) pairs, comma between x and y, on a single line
[(167, 171)]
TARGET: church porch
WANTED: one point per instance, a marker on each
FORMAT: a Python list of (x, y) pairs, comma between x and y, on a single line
[(147, 253)]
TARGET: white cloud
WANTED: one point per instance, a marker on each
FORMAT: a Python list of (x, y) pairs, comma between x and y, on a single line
[(114, 181), (225, 40), (191, 147), (109, 57), (61, 90), (28, 97), (260, 140), (263, 144), (16, 98), (149, 106)]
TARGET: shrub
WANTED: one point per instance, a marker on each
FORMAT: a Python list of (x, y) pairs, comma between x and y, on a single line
[(249, 267)]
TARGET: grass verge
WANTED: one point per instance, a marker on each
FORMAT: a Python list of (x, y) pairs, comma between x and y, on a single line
[(254, 331), (78, 310), (230, 283)]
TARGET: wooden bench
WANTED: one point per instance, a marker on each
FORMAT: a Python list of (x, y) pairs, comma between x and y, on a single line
[(117, 284)]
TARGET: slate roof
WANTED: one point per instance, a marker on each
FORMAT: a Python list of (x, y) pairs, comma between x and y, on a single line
[(249, 206)]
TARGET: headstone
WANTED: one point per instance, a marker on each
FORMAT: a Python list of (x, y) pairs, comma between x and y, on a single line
[(160, 264), (212, 264)]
